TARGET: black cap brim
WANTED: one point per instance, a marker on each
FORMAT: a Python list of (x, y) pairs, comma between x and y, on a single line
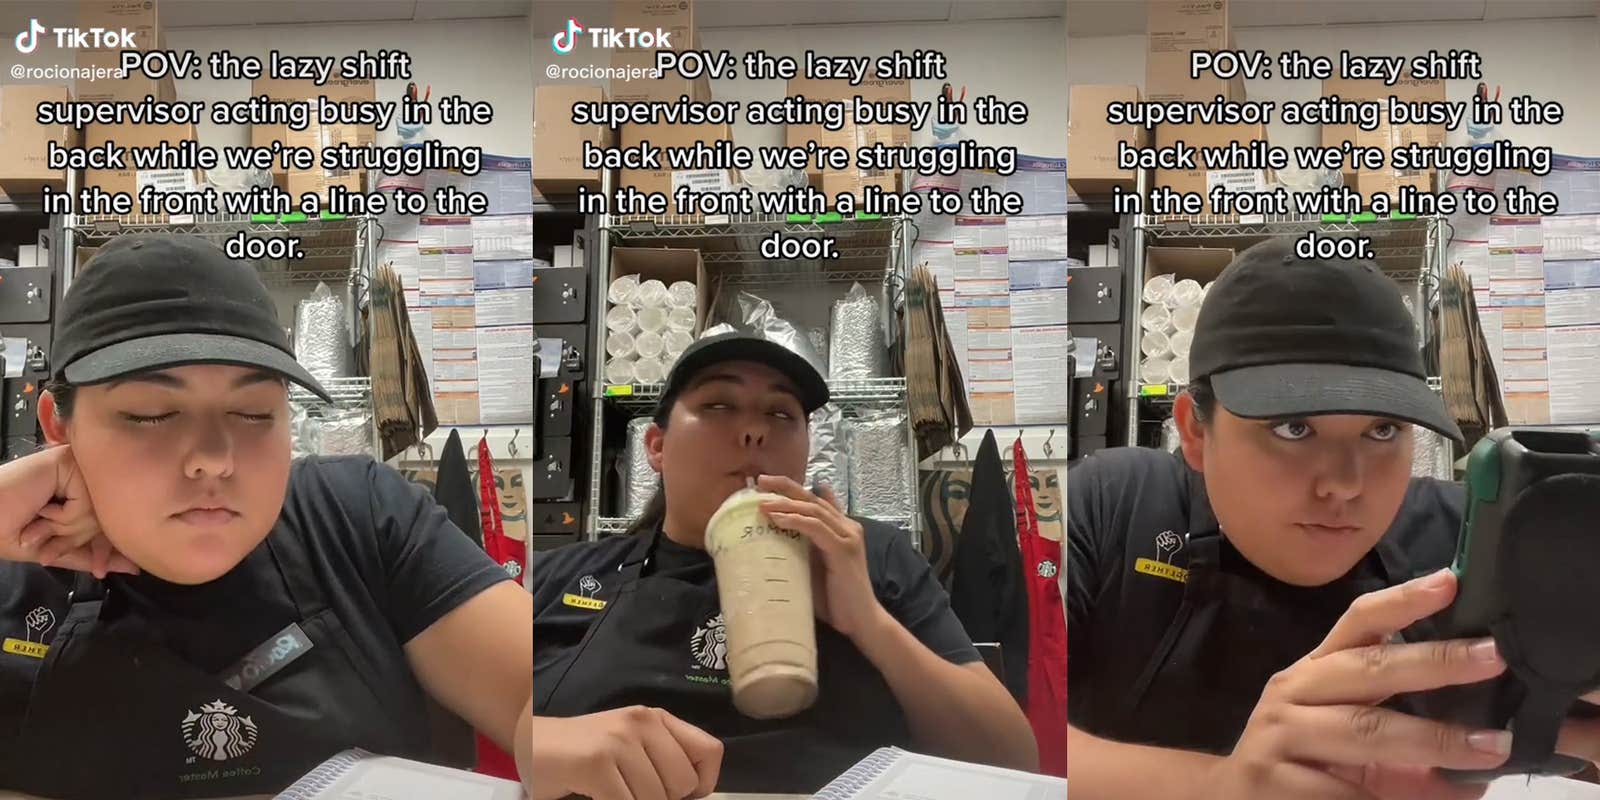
[(813, 388), (1281, 391), (183, 349)]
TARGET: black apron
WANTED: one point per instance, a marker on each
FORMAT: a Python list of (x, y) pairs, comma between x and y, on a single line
[(642, 650), (114, 713)]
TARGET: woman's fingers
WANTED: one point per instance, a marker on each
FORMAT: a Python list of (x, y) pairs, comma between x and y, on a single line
[(100, 547), (703, 749), (1356, 735), (820, 534), (1374, 673), (1408, 783), (1375, 617), (826, 492)]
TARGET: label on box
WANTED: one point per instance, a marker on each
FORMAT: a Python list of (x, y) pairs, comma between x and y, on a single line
[(705, 181), (1242, 181), (166, 180)]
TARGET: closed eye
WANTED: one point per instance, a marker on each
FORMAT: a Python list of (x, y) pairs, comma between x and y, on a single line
[(155, 420)]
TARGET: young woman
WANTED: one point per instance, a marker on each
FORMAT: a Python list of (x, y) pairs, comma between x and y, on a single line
[(1232, 610), (635, 710), (189, 614)]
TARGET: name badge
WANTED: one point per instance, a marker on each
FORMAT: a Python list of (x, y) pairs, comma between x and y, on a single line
[(578, 601), (1161, 570), (21, 648), (268, 658)]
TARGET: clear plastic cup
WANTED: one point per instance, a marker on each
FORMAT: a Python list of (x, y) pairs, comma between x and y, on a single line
[(619, 344), (681, 319), (1155, 317), (648, 344), (652, 319), (683, 294), (621, 318), (1184, 317), (652, 294), (1155, 370), (623, 289), (676, 342), (649, 370), (1180, 342), (619, 371), (1157, 289), (1178, 370), (1154, 344), (1184, 293)]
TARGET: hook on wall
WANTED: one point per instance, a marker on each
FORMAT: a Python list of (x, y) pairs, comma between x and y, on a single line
[(511, 446), (1048, 450)]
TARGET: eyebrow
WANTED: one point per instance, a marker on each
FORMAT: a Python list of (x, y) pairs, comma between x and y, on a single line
[(170, 381), (726, 377)]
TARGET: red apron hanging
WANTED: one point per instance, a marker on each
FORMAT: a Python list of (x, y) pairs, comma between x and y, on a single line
[(1047, 626), (512, 555)]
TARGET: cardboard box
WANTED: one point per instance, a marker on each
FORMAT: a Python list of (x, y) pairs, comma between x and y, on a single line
[(336, 90), (871, 90), (133, 88), (1408, 90), (667, 265), (558, 142), (1176, 28), (1200, 264), (1199, 136), (24, 143), (665, 136), (668, 88), (674, 16), (1092, 142), (130, 180), (1388, 180), (318, 180), (854, 180), (139, 16)]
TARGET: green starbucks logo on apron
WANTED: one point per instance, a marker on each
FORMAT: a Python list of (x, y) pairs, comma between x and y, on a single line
[(217, 733)]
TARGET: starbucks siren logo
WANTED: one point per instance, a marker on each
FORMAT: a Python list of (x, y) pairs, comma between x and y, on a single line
[(710, 644), (217, 733)]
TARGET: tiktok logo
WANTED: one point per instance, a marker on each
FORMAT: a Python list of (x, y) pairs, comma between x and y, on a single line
[(28, 40), (562, 42)]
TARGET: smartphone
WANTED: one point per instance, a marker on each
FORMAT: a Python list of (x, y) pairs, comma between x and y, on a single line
[(1527, 565)]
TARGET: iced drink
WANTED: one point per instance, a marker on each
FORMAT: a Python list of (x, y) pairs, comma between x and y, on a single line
[(764, 581)]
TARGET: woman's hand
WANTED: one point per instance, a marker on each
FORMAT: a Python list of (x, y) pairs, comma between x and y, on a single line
[(841, 587), (51, 519), (634, 753), (1317, 733)]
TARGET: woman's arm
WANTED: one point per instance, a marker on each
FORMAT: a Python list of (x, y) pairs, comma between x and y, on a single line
[(957, 711), (477, 661)]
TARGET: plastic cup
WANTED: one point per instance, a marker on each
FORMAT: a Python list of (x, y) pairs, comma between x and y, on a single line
[(1155, 317), (1157, 289), (1179, 343), (676, 342), (1178, 370), (1155, 344), (621, 318), (649, 370), (623, 289), (1184, 317), (652, 294), (619, 344), (681, 319), (764, 583), (648, 344), (683, 294), (1155, 370), (652, 319), (1185, 292), (619, 371)]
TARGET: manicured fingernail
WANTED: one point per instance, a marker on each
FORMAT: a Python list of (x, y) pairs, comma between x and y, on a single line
[(1496, 742), (1483, 650), (1437, 580)]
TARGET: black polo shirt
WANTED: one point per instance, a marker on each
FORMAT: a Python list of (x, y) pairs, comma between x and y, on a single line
[(1130, 508), (389, 561), (573, 584)]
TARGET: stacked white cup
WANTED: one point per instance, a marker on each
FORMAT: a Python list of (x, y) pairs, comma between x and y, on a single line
[(1171, 308), (649, 325)]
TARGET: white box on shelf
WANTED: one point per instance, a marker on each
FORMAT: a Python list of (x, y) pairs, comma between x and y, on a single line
[(564, 256), (1098, 255), (28, 255)]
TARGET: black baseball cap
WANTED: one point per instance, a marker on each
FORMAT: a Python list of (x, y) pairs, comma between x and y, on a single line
[(1280, 336), (736, 346), (151, 302)]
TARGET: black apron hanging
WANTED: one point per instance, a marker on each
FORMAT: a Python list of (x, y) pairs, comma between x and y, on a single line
[(657, 642), (114, 713), (1235, 628)]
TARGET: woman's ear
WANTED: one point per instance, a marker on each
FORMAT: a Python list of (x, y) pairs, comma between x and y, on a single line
[(653, 445), (1191, 432), (54, 427)]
